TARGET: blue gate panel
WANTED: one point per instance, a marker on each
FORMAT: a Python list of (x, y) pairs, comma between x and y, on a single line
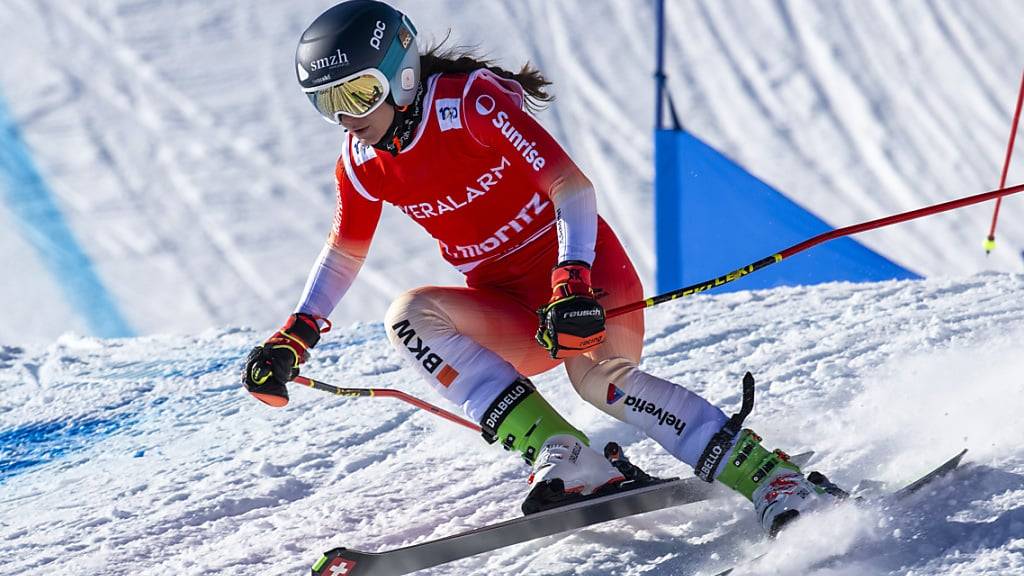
[(713, 216)]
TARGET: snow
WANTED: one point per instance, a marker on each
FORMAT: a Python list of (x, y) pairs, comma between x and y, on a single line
[(191, 476), (197, 183)]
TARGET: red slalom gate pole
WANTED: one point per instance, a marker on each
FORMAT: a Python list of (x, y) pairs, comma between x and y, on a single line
[(990, 242), (386, 393), (810, 243)]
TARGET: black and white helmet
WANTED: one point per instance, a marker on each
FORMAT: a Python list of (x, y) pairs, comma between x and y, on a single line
[(357, 55)]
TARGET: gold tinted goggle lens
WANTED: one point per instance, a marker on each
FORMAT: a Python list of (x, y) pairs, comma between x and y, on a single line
[(357, 97)]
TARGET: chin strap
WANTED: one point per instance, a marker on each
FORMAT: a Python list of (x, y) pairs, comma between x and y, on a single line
[(722, 441), (403, 126)]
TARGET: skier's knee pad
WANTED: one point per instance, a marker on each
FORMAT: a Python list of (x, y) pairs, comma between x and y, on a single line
[(458, 367), (678, 419), (414, 327), (593, 381), (417, 328), (417, 306)]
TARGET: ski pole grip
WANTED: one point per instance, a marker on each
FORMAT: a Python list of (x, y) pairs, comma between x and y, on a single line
[(748, 399), (735, 423), (720, 442)]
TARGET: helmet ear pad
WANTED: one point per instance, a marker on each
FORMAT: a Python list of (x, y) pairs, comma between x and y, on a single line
[(406, 78)]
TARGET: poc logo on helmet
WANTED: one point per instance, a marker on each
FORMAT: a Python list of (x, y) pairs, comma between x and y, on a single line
[(378, 34)]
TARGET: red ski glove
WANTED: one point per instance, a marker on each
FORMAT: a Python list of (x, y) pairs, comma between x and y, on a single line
[(271, 366), (573, 321)]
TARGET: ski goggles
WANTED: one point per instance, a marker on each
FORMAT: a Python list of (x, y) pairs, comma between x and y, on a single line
[(356, 95)]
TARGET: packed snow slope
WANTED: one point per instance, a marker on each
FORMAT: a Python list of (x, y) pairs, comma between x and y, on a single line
[(148, 456), (197, 180)]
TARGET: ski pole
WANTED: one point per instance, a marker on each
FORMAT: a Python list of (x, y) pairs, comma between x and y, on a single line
[(990, 241), (685, 291), (810, 243), (385, 393)]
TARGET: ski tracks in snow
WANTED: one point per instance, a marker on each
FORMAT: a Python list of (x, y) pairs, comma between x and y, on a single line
[(165, 194), (182, 151), (201, 478)]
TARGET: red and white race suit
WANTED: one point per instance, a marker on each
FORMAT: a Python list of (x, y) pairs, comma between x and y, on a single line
[(505, 204)]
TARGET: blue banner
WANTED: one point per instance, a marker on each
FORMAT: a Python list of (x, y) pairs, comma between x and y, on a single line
[(712, 216)]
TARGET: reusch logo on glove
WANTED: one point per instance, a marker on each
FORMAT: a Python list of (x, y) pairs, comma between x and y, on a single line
[(583, 313)]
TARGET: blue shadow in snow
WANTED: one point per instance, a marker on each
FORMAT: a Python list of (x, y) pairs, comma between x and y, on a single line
[(43, 226), (25, 447)]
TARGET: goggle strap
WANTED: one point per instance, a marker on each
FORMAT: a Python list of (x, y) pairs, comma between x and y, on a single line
[(393, 58), (396, 53)]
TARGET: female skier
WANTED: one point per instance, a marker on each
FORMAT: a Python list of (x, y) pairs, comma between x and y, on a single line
[(447, 141)]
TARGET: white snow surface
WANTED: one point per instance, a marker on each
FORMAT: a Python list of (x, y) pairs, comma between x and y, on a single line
[(199, 182), (883, 380), (194, 172)]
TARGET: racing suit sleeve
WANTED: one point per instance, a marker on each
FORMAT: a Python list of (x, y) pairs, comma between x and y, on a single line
[(355, 221), (492, 107)]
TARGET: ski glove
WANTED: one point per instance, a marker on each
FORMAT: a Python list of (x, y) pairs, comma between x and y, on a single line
[(272, 365), (573, 321)]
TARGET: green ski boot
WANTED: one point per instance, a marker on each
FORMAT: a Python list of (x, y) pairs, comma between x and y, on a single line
[(565, 467)]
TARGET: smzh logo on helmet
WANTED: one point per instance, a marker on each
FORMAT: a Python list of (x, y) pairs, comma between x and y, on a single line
[(339, 58), (378, 34)]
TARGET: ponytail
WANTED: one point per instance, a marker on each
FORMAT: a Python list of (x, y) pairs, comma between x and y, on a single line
[(463, 60)]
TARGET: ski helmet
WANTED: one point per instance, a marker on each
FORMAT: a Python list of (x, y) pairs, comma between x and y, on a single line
[(357, 55)]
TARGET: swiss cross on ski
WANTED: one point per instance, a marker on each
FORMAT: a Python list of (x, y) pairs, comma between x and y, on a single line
[(340, 567)]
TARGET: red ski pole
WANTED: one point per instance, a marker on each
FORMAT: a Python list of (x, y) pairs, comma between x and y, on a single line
[(810, 243), (386, 393), (990, 241)]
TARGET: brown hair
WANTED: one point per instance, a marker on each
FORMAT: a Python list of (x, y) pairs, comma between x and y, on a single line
[(463, 60)]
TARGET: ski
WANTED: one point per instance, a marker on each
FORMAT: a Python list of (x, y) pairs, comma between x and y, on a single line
[(942, 470), (666, 494), (348, 562), (947, 467)]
